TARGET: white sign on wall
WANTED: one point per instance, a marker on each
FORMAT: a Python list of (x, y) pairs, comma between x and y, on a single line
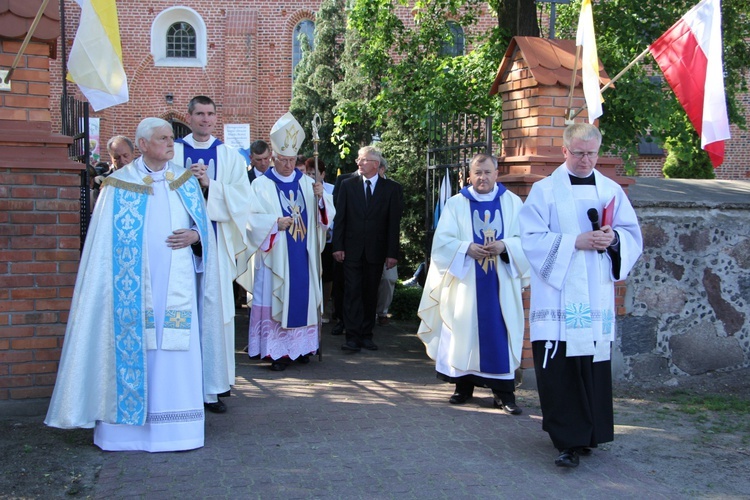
[(237, 135)]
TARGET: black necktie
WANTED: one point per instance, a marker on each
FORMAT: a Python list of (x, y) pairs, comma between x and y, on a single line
[(368, 195)]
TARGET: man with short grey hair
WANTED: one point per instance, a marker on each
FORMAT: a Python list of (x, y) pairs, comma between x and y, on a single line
[(144, 337), (366, 235)]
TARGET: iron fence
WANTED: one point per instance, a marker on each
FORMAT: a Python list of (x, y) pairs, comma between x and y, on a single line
[(75, 123)]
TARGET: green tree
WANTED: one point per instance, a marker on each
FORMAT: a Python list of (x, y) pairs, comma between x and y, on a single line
[(624, 28), (315, 76), (397, 77), (354, 95), (516, 17)]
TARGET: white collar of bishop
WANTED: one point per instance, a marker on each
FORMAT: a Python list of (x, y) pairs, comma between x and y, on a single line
[(285, 178)]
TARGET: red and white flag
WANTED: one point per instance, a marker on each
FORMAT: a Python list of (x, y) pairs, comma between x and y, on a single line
[(690, 56)]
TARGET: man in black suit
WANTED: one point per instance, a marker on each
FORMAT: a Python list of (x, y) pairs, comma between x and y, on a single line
[(337, 291), (260, 159), (365, 236)]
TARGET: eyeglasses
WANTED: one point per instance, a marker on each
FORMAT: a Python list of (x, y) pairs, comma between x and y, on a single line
[(581, 154), (364, 160)]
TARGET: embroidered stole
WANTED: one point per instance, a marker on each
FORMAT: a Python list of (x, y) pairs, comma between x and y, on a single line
[(134, 326), (582, 317), (293, 205), (487, 226)]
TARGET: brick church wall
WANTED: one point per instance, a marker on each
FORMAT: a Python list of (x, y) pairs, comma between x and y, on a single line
[(248, 74)]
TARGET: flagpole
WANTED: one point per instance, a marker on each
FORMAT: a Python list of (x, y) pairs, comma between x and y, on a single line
[(27, 39), (625, 69), (612, 81)]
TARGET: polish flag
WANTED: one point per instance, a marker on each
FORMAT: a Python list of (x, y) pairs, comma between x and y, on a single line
[(690, 56)]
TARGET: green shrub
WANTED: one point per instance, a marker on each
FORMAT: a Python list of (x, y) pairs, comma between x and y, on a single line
[(405, 303), (686, 159)]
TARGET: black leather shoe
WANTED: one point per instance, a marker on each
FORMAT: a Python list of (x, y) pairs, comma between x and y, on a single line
[(350, 346), (509, 408), (369, 345), (304, 359), (584, 451), (225, 394), (217, 407), (567, 458), (459, 398), (338, 328), (278, 366)]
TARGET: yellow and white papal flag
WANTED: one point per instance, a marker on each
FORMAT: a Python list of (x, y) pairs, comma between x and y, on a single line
[(95, 62), (586, 39)]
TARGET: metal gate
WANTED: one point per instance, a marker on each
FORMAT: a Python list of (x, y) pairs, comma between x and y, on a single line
[(75, 123), (180, 129), (453, 142)]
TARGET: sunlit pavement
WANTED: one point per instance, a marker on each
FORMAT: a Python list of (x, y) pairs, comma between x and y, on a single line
[(374, 424)]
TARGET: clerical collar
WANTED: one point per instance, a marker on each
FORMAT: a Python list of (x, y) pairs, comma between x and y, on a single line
[(582, 181), (202, 145), (152, 171), (485, 196), (285, 178)]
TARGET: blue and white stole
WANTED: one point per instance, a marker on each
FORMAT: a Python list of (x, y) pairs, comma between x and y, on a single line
[(293, 205), (129, 215), (208, 156), (487, 226)]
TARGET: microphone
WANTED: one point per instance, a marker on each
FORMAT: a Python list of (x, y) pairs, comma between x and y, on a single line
[(593, 216)]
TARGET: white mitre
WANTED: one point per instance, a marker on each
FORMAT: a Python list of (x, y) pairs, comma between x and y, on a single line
[(287, 136)]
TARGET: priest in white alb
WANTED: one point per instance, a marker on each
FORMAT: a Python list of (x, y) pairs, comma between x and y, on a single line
[(286, 229), (581, 235), (222, 174), (144, 335), (471, 308)]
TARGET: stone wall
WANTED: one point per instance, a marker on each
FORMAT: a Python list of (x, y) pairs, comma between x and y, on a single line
[(688, 299)]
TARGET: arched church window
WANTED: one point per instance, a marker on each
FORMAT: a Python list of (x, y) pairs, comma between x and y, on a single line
[(455, 46), (306, 28), (181, 40), (178, 38)]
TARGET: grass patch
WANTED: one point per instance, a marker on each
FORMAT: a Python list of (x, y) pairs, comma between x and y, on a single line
[(692, 404), (716, 414)]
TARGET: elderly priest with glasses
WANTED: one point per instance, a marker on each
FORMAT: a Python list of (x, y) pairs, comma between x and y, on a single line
[(286, 229), (581, 235)]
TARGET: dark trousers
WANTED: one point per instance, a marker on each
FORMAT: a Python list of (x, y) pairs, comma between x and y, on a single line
[(576, 398), (361, 281)]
